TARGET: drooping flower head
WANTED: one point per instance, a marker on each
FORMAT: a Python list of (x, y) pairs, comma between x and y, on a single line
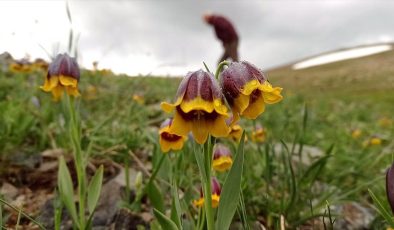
[(63, 74), (259, 134), (222, 159), (216, 190), (199, 107), (167, 139), (247, 90)]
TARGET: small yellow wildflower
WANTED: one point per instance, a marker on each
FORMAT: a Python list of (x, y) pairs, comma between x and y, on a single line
[(169, 140), (216, 190), (222, 159), (356, 133)]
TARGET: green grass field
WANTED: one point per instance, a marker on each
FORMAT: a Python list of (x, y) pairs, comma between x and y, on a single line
[(321, 108)]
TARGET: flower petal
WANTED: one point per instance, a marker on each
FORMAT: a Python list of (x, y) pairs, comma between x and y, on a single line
[(271, 95), (218, 127), (68, 81), (57, 92), (180, 126), (50, 83), (73, 91), (200, 129), (255, 108)]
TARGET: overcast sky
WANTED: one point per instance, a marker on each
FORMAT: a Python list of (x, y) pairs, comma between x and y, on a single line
[(169, 37)]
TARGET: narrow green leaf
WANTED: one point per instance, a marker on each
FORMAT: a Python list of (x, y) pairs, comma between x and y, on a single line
[(230, 194), (66, 190), (94, 189), (165, 222), (155, 196), (381, 209), (313, 171), (176, 211)]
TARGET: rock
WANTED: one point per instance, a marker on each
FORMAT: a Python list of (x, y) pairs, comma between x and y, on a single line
[(308, 155), (353, 216), (8, 191)]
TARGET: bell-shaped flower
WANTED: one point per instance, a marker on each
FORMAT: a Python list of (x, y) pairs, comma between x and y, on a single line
[(168, 140), (63, 75), (222, 159), (199, 107), (216, 190), (259, 134), (247, 90)]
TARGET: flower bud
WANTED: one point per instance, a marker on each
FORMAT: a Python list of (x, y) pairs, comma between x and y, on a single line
[(222, 159), (216, 190)]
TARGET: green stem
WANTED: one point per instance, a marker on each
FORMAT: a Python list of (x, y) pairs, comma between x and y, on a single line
[(220, 67), (207, 187), (79, 160)]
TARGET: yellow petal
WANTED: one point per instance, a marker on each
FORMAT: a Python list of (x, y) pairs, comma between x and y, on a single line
[(68, 81), (220, 108), (197, 104), (50, 83), (72, 91), (241, 103), (218, 127), (200, 130), (271, 95), (198, 203), (180, 126), (255, 109), (215, 200), (168, 107), (57, 92), (164, 145), (222, 164), (250, 86)]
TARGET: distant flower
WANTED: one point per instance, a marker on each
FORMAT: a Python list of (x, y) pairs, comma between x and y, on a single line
[(247, 90), (21, 66), (216, 190), (139, 99), (168, 140), (235, 132), (373, 141), (40, 64), (222, 159), (259, 134), (385, 122), (356, 133), (390, 186), (90, 93), (199, 107), (63, 75)]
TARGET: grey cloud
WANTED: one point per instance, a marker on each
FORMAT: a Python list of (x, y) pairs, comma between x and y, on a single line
[(272, 32)]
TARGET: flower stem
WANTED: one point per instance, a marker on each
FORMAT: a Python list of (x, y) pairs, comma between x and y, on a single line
[(207, 187), (80, 162), (220, 67)]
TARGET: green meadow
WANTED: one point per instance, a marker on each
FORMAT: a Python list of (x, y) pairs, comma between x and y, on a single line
[(312, 171)]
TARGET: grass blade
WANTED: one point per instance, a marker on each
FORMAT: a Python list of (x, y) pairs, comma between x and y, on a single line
[(165, 222), (231, 190)]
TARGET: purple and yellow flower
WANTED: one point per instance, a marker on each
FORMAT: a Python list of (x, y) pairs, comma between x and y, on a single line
[(216, 190), (199, 107), (168, 140), (247, 90), (63, 75), (259, 134), (21, 66), (222, 159), (356, 133), (373, 141), (139, 99)]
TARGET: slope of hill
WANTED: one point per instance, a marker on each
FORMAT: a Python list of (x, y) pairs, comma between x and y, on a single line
[(360, 77)]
